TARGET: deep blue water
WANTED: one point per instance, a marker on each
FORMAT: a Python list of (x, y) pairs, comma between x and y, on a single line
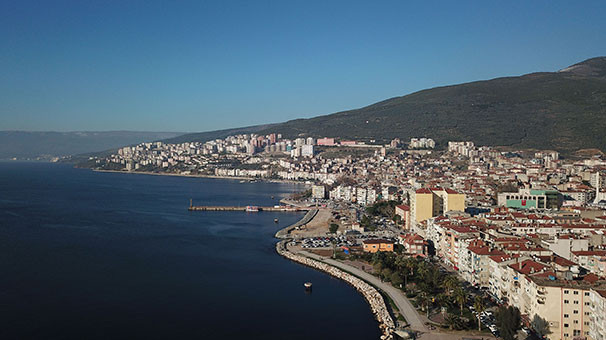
[(106, 255)]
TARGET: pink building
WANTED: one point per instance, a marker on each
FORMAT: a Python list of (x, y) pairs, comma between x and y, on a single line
[(326, 141), (348, 142)]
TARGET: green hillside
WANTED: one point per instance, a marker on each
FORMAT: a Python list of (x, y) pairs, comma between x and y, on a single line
[(564, 110)]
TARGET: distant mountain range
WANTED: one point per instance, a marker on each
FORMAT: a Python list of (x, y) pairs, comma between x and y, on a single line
[(46, 145)]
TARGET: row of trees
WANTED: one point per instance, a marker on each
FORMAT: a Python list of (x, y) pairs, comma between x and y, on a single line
[(431, 287)]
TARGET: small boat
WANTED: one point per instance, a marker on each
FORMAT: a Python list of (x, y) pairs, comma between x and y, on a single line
[(272, 197), (252, 208), (275, 220), (307, 285)]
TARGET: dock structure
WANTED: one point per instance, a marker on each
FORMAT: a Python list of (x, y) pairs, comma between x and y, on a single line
[(243, 208)]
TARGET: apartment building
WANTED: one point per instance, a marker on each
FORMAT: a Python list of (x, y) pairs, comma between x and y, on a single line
[(426, 203), (597, 325)]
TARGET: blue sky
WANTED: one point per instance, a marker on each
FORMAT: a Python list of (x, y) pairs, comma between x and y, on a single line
[(205, 65)]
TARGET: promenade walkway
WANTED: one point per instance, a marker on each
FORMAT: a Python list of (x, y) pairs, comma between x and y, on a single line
[(416, 321), (396, 295)]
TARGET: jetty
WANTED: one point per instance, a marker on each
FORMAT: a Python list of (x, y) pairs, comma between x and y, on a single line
[(244, 208)]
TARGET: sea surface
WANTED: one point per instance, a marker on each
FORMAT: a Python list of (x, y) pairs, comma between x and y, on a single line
[(90, 255)]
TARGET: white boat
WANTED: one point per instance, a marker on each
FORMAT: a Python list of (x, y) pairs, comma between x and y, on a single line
[(252, 208), (307, 285)]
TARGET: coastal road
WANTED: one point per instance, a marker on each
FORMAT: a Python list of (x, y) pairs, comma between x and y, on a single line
[(410, 313)]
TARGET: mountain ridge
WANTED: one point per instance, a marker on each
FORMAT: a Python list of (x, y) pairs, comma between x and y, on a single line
[(563, 110)]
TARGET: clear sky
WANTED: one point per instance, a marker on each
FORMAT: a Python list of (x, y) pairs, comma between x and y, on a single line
[(205, 65)]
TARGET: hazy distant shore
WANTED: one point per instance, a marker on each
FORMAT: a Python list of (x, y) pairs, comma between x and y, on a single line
[(240, 178)]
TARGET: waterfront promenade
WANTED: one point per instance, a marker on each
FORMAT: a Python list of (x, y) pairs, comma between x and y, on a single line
[(242, 208), (416, 321), (372, 296), (405, 307)]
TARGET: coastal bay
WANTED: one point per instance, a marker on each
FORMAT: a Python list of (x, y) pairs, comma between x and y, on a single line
[(107, 255)]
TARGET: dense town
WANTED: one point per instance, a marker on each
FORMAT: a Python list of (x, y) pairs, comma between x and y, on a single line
[(525, 228)]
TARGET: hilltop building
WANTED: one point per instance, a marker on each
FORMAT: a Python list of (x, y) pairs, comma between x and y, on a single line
[(326, 141), (422, 143)]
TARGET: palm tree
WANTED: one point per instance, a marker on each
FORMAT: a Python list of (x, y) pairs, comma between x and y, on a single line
[(427, 298), (460, 297), (401, 264), (423, 271), (434, 276), (442, 300), (479, 306), (410, 264), (450, 283), (454, 322)]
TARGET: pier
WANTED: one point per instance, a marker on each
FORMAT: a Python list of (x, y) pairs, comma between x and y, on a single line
[(243, 208)]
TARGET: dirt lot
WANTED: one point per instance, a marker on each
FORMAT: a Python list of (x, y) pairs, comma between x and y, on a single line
[(318, 226)]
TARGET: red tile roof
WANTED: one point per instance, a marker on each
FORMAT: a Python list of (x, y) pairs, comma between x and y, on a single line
[(527, 267), (377, 241), (589, 252), (591, 277)]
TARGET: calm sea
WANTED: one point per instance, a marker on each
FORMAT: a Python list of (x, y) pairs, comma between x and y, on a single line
[(105, 256)]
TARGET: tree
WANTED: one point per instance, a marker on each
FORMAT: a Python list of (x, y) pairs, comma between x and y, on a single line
[(377, 267), (540, 326), (478, 305), (409, 265), (365, 221), (396, 279), (386, 274), (508, 321), (454, 322), (427, 301), (400, 262), (422, 271), (333, 228), (460, 297), (450, 283), (442, 300)]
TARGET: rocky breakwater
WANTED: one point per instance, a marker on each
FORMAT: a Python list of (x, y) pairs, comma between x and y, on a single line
[(372, 296)]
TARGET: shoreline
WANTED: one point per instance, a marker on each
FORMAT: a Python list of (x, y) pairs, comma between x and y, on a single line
[(239, 178), (372, 296)]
